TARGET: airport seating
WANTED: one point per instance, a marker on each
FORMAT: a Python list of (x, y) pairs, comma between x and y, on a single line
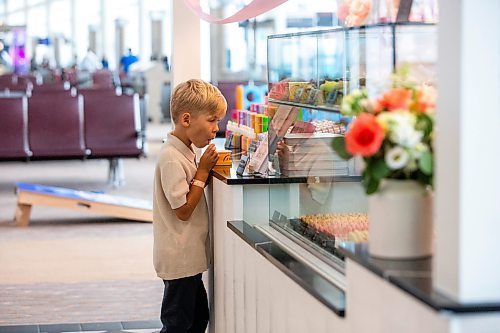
[(55, 126), (102, 79), (14, 83), (7, 79), (112, 124), (53, 123), (50, 87), (13, 128)]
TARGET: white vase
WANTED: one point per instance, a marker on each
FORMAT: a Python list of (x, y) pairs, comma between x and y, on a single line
[(400, 220)]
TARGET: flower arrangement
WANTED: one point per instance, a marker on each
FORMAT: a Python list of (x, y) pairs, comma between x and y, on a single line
[(354, 12), (392, 133)]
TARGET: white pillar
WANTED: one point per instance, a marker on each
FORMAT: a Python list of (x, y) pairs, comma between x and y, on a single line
[(205, 73), (467, 212), (103, 30), (25, 10), (142, 37), (47, 17), (185, 44), (6, 12), (74, 38)]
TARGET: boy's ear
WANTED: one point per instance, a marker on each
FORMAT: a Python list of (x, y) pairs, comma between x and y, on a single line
[(185, 119)]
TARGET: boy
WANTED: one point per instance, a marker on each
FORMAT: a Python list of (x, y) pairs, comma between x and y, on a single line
[(181, 251)]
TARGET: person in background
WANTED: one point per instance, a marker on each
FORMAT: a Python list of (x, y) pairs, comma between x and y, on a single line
[(181, 250), (166, 64), (90, 62), (6, 65), (104, 62), (127, 60)]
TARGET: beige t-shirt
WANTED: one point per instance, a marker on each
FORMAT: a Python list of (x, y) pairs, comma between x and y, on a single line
[(181, 248)]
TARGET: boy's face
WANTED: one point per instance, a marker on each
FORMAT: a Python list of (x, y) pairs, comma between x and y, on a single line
[(203, 128)]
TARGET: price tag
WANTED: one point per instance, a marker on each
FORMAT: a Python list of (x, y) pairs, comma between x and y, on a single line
[(312, 96), (332, 97)]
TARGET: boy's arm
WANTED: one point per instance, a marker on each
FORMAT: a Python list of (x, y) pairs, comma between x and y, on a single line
[(207, 162)]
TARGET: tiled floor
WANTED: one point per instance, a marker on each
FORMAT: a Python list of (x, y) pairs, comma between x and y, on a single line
[(109, 327), (77, 267)]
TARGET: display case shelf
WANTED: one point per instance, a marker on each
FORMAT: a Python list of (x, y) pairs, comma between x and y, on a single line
[(335, 108), (316, 69), (325, 249)]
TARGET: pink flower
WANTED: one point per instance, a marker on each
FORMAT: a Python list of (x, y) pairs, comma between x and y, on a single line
[(343, 10), (365, 136)]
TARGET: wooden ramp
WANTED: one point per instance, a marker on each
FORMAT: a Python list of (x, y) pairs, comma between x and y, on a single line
[(33, 194)]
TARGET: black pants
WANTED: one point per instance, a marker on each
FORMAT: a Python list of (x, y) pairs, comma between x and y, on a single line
[(185, 306)]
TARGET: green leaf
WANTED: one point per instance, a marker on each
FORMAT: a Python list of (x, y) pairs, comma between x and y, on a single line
[(425, 163), (338, 144), (379, 169), (424, 124), (372, 185)]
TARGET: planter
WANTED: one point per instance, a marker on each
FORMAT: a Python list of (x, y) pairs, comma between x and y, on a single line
[(400, 220)]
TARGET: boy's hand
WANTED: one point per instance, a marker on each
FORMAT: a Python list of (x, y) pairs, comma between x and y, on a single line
[(208, 159)]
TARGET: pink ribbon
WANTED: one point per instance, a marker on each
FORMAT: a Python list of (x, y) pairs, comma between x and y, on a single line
[(253, 9)]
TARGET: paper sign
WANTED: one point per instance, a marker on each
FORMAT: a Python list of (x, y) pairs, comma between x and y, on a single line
[(258, 162), (282, 120)]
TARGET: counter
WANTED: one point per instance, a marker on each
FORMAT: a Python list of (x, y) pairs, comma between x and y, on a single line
[(255, 285), (413, 277)]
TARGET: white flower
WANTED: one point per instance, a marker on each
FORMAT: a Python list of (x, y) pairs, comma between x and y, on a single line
[(346, 107), (396, 158), (356, 93), (419, 149), (401, 128)]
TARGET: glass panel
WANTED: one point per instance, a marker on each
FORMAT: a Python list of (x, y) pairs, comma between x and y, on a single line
[(369, 58), (416, 46), (323, 201), (33, 2), (331, 68), (378, 58)]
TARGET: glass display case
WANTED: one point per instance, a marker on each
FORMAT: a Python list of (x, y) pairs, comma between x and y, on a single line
[(309, 74)]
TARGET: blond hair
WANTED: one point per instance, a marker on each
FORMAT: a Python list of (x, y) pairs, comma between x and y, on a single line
[(196, 97)]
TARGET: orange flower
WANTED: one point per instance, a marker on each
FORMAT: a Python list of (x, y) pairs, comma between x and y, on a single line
[(396, 98), (376, 106), (425, 100), (365, 136)]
